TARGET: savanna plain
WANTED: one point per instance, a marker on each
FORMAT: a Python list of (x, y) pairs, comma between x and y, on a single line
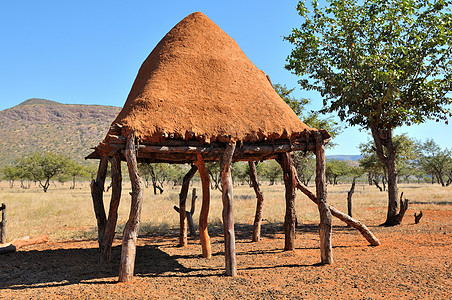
[(412, 262)]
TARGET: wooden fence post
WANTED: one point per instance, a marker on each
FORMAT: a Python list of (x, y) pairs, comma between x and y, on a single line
[(260, 203), (3, 224)]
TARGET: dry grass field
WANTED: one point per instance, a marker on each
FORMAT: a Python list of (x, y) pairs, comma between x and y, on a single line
[(68, 214), (413, 261)]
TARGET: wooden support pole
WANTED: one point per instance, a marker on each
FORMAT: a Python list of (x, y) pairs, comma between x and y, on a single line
[(116, 188), (349, 198), (97, 193), (260, 202), (366, 233), (228, 216), (3, 224), (286, 162), (325, 227), (205, 206), (182, 210), (131, 229)]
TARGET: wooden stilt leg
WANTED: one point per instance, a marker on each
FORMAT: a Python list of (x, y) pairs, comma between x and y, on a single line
[(260, 203), (97, 193), (131, 230), (285, 159), (116, 188), (204, 213), (325, 227), (182, 207), (228, 216)]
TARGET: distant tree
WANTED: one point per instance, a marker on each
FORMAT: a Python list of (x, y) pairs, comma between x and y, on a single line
[(74, 170), (240, 172), (43, 167), (213, 168), (91, 170), (271, 171), (156, 172), (176, 173), (11, 173), (305, 165), (379, 65), (335, 169), (435, 161)]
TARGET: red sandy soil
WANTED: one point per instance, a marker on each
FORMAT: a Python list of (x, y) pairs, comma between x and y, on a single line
[(413, 262)]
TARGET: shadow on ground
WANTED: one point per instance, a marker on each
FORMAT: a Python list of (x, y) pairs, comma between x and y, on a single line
[(59, 267)]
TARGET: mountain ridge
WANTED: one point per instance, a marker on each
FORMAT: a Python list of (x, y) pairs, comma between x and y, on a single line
[(45, 125)]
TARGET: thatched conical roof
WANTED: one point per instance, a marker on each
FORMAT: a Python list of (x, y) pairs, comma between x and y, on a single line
[(198, 84)]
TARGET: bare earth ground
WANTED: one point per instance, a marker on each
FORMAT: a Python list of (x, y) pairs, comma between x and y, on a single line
[(413, 262)]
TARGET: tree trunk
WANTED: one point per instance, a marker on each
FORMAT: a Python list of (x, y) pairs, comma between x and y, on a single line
[(260, 202), (383, 138), (97, 192), (131, 229), (228, 216), (325, 226), (116, 188), (204, 213), (182, 206)]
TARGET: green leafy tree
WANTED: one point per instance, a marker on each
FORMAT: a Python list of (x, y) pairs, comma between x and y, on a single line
[(43, 167), (335, 169), (305, 165), (240, 172), (11, 173), (310, 118), (74, 170), (435, 161), (379, 65), (271, 170)]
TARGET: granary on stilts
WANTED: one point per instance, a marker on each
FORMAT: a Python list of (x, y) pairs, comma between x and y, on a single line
[(197, 98)]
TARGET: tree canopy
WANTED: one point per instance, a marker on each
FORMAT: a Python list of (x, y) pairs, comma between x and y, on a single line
[(382, 63), (377, 64)]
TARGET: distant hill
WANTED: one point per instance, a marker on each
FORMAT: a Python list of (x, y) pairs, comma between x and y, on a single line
[(352, 160), (344, 157), (44, 125)]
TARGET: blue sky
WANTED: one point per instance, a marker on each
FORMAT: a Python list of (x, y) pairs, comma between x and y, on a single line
[(89, 52)]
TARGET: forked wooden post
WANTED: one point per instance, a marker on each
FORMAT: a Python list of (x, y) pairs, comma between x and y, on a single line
[(325, 227), (131, 230), (116, 188), (204, 213), (286, 161), (228, 216), (97, 193), (182, 206), (259, 205)]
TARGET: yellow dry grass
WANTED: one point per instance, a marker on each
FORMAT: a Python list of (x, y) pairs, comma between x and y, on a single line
[(68, 214)]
